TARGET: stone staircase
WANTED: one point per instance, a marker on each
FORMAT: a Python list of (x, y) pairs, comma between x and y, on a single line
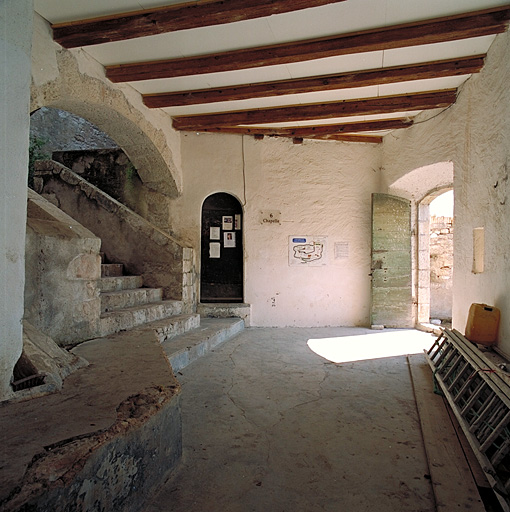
[(126, 304)]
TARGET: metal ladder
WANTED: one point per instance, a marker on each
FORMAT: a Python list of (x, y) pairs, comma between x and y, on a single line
[(479, 395)]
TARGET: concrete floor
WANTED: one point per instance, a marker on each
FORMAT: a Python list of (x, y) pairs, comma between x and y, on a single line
[(270, 425)]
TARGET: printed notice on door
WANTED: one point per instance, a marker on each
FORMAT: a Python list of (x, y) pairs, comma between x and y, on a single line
[(228, 222), (229, 239), (214, 250), (307, 251), (214, 233)]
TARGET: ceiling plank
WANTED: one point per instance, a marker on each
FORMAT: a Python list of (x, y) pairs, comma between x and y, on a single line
[(369, 106), (316, 131), (473, 24), (172, 18), (365, 78)]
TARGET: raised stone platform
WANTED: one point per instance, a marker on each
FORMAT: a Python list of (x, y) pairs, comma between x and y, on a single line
[(112, 434), (103, 442)]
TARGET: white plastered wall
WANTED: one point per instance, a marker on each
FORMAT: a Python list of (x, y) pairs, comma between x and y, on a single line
[(15, 43), (320, 189), (474, 134)]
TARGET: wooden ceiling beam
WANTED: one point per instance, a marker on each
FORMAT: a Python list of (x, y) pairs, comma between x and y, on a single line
[(369, 106), (315, 131), (172, 18), (365, 78), (451, 28)]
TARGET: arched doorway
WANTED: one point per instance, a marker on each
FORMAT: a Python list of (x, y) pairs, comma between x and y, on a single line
[(221, 278), (422, 185), (441, 258), (435, 256)]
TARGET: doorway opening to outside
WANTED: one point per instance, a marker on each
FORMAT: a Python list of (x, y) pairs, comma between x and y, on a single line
[(436, 225)]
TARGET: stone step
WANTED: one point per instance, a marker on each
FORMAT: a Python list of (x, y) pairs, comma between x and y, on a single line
[(169, 328), (112, 301), (111, 284), (186, 348), (111, 269), (127, 318)]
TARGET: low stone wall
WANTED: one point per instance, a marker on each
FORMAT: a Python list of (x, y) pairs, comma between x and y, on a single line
[(105, 442), (113, 469), (62, 266), (126, 237)]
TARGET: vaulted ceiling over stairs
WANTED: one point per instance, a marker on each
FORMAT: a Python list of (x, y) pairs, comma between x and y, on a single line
[(349, 70)]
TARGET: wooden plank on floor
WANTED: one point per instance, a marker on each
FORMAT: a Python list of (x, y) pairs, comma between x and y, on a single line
[(476, 470), (452, 480)]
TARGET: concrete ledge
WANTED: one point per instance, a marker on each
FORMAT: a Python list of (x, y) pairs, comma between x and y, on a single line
[(108, 470), (183, 350), (230, 310), (104, 442)]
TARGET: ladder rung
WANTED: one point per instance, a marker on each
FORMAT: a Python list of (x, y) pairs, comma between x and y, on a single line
[(489, 424), (484, 411), (447, 360), (438, 346), (501, 453), (454, 363), (474, 397), (497, 430), (460, 373), (468, 383), (453, 369), (446, 350)]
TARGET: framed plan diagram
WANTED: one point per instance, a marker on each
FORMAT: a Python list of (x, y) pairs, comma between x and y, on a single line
[(307, 250)]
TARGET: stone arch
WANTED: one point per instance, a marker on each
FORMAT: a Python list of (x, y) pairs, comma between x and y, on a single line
[(421, 182), (109, 108)]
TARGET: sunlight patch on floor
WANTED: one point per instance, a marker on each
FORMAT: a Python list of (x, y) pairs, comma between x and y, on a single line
[(388, 343)]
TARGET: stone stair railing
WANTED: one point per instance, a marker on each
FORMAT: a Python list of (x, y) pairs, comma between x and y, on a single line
[(144, 249)]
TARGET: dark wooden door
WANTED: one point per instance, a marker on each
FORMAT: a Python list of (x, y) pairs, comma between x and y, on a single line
[(221, 278)]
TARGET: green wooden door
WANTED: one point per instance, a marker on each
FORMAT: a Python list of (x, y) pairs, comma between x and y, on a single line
[(391, 261)]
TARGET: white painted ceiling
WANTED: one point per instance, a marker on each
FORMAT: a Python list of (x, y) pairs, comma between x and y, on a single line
[(343, 17)]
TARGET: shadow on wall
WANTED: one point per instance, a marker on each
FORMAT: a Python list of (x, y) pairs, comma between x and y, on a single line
[(82, 147)]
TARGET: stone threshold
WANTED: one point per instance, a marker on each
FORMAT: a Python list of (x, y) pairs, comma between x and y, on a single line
[(226, 310)]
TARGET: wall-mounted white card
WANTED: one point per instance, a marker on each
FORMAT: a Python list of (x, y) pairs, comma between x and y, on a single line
[(214, 233), (228, 222), (214, 249), (229, 239)]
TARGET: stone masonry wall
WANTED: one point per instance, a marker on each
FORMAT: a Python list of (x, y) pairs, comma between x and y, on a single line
[(62, 267), (441, 267)]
